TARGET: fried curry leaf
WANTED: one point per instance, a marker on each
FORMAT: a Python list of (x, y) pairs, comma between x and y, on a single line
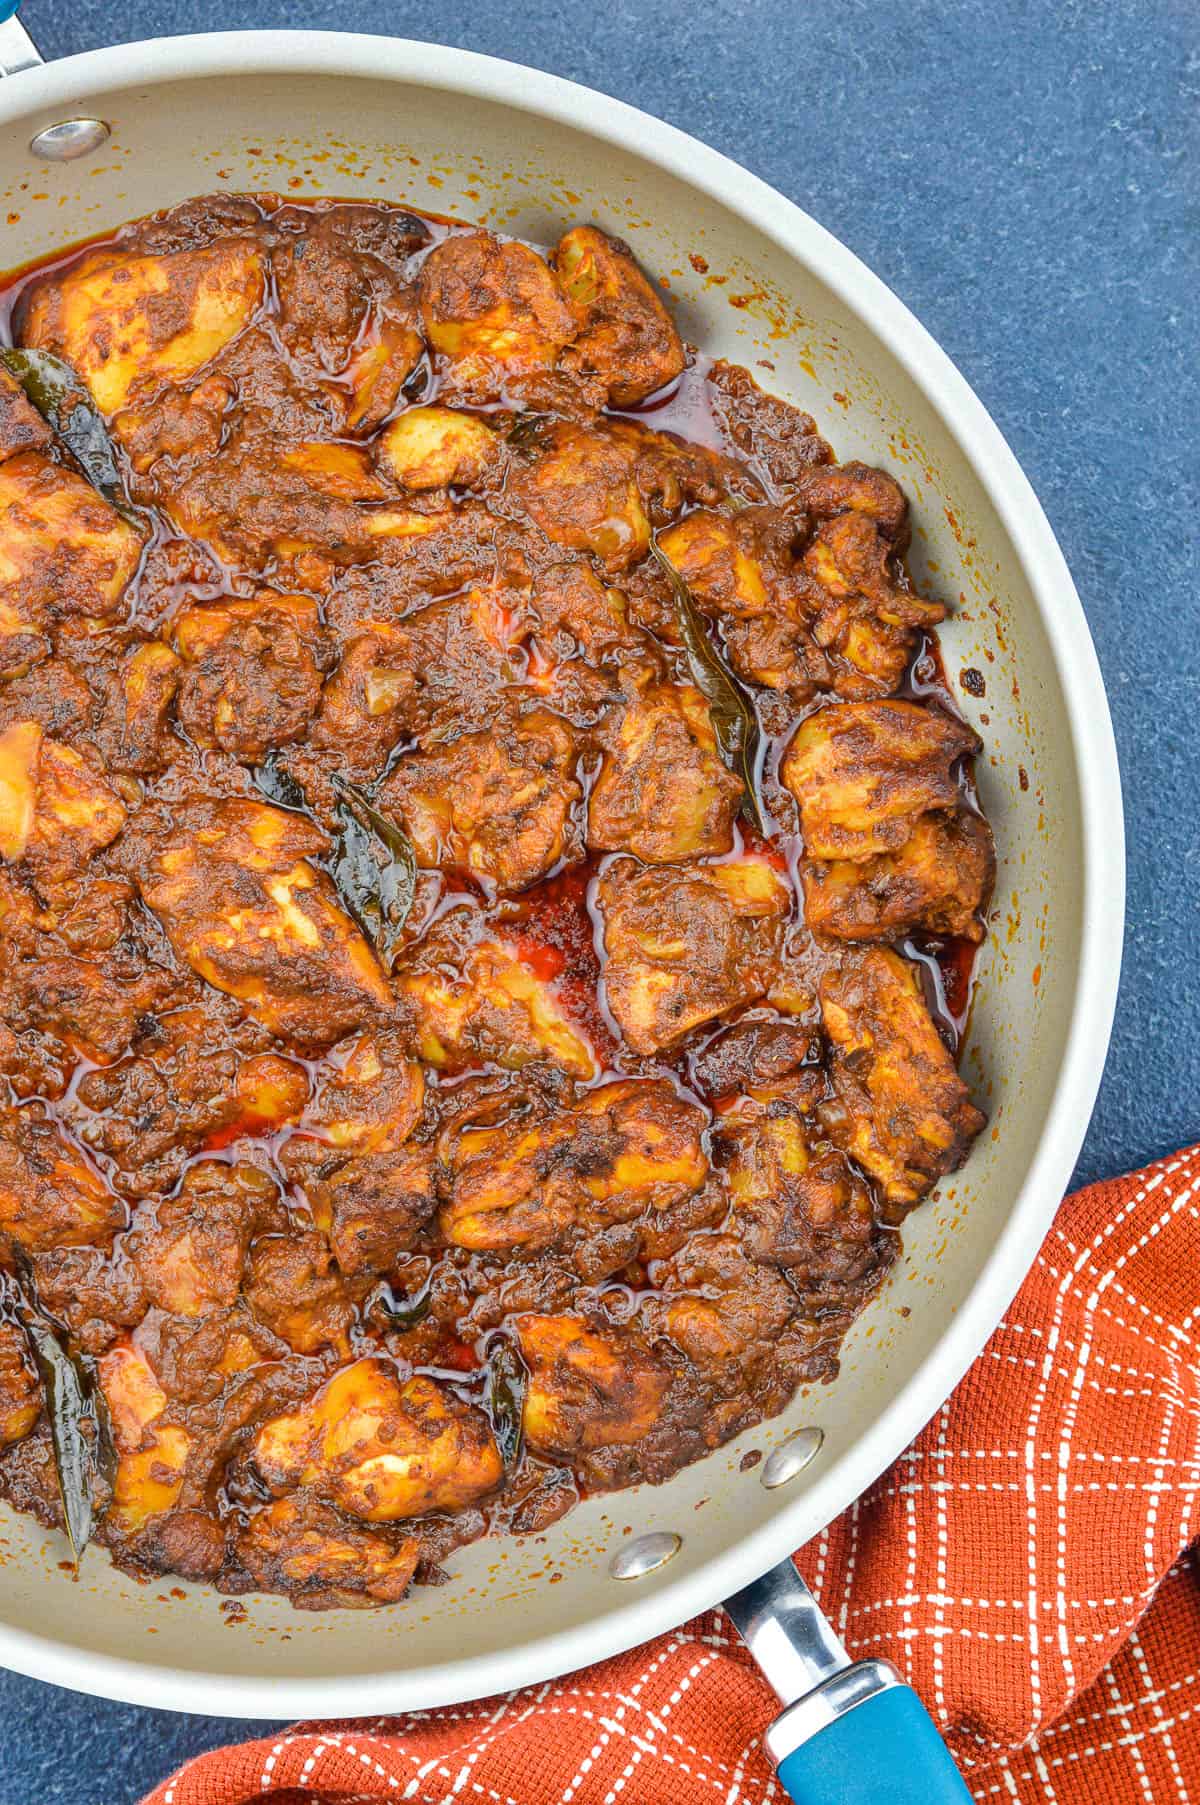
[(61, 399), (374, 866), (279, 786), (525, 433), (734, 719), (80, 1434), (504, 1398), (400, 1313)]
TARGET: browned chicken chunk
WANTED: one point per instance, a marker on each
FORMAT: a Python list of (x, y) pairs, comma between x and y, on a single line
[(434, 447), (251, 678), (232, 884), (301, 1546), (64, 554), (379, 1448), (902, 1110), (623, 333), (586, 1390), (132, 324), (939, 880), (490, 311), (499, 803), (190, 1251), (579, 485), (626, 1152), (49, 1195), (663, 791), (863, 774), (474, 999), (687, 944), (151, 1453)]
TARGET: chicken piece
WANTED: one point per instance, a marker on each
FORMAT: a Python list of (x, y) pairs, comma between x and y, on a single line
[(586, 1390), (622, 330), (373, 1206), (64, 553), (434, 447), (93, 1006), (302, 1548), (624, 1152), (472, 1000), (827, 490), (371, 1097), (732, 569), (499, 803), (183, 426), (901, 1109), (369, 1190), (684, 945), (572, 613), (22, 428), (136, 733), (49, 1195), (186, 1090), (343, 312), (449, 661), (739, 570), (56, 810), (799, 1204), (20, 1391), (190, 1250), (939, 880), (131, 325), (277, 504), (663, 791), (380, 1449), (732, 1311), (56, 695), (868, 613), (151, 1455), (251, 674), (490, 311), (863, 774), (579, 485), (753, 1051), (293, 1286), (232, 884), (780, 440)]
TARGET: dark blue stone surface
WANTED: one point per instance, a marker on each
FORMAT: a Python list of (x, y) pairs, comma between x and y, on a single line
[(1025, 177)]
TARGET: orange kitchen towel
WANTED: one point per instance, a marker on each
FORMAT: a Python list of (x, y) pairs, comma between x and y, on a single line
[(1025, 1564)]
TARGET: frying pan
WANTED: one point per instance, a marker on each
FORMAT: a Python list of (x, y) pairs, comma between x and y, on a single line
[(100, 138)]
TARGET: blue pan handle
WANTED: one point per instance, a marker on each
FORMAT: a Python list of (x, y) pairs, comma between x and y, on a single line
[(851, 1733), (884, 1749), (8, 9)]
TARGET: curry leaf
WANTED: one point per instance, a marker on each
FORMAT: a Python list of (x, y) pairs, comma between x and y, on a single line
[(61, 398), (374, 866), (80, 1434), (279, 786), (733, 715), (401, 1313), (526, 431), (504, 1398)]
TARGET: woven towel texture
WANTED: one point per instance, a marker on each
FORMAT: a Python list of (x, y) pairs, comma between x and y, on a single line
[(1026, 1563)]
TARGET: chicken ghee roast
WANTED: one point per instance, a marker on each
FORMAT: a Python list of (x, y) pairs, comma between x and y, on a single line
[(489, 873)]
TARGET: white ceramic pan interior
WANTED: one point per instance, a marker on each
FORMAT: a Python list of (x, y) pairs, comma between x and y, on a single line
[(755, 280)]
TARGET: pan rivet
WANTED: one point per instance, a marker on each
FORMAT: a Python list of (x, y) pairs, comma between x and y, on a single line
[(69, 139), (644, 1554), (791, 1457)]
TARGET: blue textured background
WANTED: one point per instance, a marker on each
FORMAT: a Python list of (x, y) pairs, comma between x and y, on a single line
[(1025, 177)]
